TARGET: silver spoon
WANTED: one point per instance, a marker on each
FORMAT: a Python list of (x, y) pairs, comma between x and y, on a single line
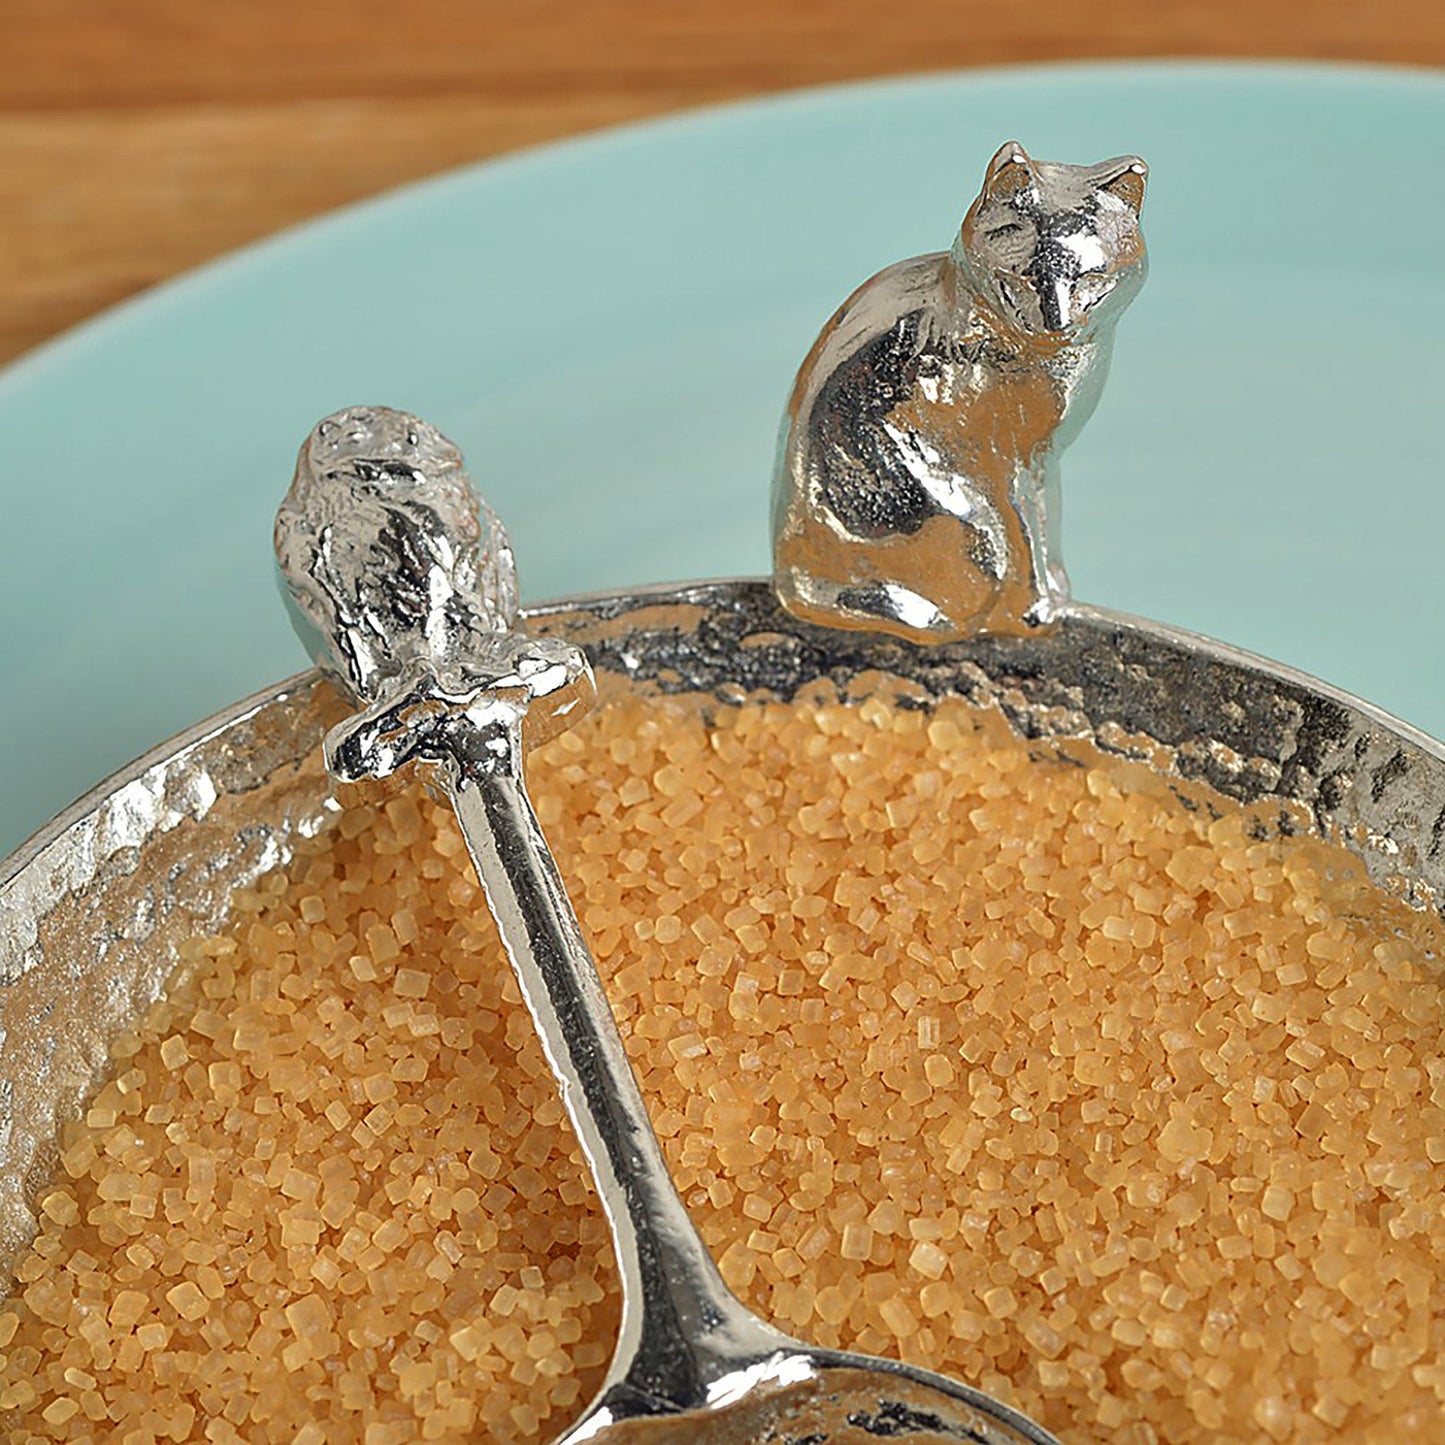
[(404, 589)]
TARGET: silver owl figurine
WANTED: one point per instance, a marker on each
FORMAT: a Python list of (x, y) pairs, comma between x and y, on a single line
[(916, 487), (392, 543), (402, 582)]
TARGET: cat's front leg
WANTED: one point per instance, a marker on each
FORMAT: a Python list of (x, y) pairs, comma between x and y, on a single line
[(1036, 503)]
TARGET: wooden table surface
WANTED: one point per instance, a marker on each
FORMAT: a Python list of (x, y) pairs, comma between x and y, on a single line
[(141, 137)]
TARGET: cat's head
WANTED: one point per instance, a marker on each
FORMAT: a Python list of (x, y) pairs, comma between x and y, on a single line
[(1053, 248)]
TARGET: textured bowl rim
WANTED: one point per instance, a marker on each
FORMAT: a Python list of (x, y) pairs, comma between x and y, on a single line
[(617, 602)]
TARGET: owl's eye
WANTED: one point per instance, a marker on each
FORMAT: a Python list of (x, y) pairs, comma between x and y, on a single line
[(1089, 291)]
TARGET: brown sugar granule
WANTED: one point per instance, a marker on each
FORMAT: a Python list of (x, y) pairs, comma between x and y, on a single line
[(1022, 1069)]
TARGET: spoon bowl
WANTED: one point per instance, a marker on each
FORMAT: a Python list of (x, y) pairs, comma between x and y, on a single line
[(824, 1398)]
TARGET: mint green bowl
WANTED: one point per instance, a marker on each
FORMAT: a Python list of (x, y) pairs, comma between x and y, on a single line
[(609, 327)]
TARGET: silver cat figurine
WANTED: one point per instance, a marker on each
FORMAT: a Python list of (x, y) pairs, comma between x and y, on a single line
[(916, 488)]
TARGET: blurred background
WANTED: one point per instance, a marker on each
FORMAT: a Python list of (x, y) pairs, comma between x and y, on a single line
[(141, 137)]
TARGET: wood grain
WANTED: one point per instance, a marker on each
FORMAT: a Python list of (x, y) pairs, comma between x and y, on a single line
[(139, 139)]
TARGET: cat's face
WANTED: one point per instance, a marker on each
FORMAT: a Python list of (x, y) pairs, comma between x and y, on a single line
[(1052, 247)]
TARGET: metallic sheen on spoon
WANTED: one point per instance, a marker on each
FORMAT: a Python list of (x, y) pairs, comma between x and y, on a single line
[(407, 599)]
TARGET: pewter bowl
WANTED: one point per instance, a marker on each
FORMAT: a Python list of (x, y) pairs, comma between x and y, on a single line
[(93, 908)]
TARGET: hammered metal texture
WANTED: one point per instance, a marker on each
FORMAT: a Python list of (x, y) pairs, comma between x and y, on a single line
[(93, 909)]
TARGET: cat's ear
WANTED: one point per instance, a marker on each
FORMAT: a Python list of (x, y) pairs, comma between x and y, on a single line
[(1009, 172), (1124, 178)]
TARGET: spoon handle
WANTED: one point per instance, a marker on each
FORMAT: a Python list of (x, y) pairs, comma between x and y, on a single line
[(403, 585), (681, 1327)]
